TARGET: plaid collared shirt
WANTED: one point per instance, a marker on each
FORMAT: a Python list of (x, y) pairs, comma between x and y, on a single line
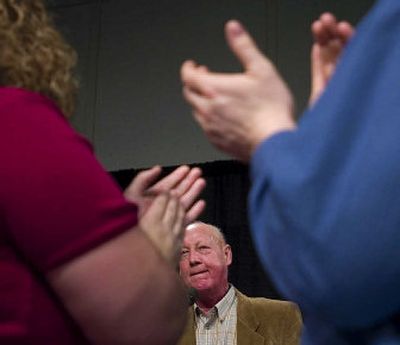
[(218, 327)]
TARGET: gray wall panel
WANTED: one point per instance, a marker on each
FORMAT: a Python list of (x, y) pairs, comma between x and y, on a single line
[(80, 25), (142, 118), (130, 53)]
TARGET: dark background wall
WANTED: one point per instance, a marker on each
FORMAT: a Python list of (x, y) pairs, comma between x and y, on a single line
[(130, 52), (130, 103)]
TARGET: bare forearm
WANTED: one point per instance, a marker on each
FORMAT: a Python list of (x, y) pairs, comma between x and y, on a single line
[(114, 303)]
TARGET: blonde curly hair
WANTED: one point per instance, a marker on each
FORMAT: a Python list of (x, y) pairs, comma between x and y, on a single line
[(34, 55)]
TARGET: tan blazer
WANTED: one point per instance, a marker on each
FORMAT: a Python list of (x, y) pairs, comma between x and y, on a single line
[(260, 321)]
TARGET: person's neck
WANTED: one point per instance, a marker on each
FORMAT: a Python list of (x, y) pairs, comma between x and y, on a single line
[(208, 299)]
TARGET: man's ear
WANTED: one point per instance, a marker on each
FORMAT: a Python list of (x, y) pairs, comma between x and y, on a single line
[(228, 254)]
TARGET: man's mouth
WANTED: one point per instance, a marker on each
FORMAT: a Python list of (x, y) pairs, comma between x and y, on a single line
[(198, 273)]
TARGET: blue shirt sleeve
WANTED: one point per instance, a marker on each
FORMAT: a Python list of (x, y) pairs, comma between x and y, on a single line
[(325, 199)]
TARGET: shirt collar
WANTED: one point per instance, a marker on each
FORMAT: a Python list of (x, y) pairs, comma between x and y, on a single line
[(223, 306)]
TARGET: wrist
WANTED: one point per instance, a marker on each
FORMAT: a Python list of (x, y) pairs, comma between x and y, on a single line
[(270, 131)]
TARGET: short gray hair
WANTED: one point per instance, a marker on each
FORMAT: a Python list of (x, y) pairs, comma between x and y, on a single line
[(217, 231)]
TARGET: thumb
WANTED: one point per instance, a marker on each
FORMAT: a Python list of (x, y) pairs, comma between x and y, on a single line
[(243, 45)]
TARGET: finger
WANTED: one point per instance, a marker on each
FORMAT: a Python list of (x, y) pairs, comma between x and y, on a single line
[(157, 208), (329, 25), (318, 33), (327, 28), (329, 20), (345, 31), (317, 77), (192, 193), (203, 68), (196, 100), (171, 180), (195, 211), (322, 34), (171, 211), (205, 84), (195, 78), (184, 184), (178, 231), (178, 228), (142, 181), (188, 68), (243, 45), (324, 29)]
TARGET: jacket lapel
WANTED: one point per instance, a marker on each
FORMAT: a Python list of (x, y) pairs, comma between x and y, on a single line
[(247, 323), (189, 335)]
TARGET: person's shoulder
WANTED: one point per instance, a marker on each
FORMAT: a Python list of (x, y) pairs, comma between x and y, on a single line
[(271, 317), (36, 118), (268, 305), (12, 94), (16, 102), (263, 302)]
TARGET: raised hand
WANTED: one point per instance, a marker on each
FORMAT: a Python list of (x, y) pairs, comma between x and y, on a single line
[(163, 223), (330, 39), (238, 111), (185, 183)]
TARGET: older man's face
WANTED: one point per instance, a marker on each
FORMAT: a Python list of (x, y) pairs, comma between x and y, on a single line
[(204, 259)]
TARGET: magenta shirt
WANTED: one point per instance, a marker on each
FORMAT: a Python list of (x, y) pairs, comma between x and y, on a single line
[(56, 203)]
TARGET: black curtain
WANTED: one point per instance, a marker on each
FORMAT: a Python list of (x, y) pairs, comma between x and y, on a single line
[(226, 196)]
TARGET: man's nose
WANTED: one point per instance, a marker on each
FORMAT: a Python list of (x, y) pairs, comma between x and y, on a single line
[(194, 258)]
